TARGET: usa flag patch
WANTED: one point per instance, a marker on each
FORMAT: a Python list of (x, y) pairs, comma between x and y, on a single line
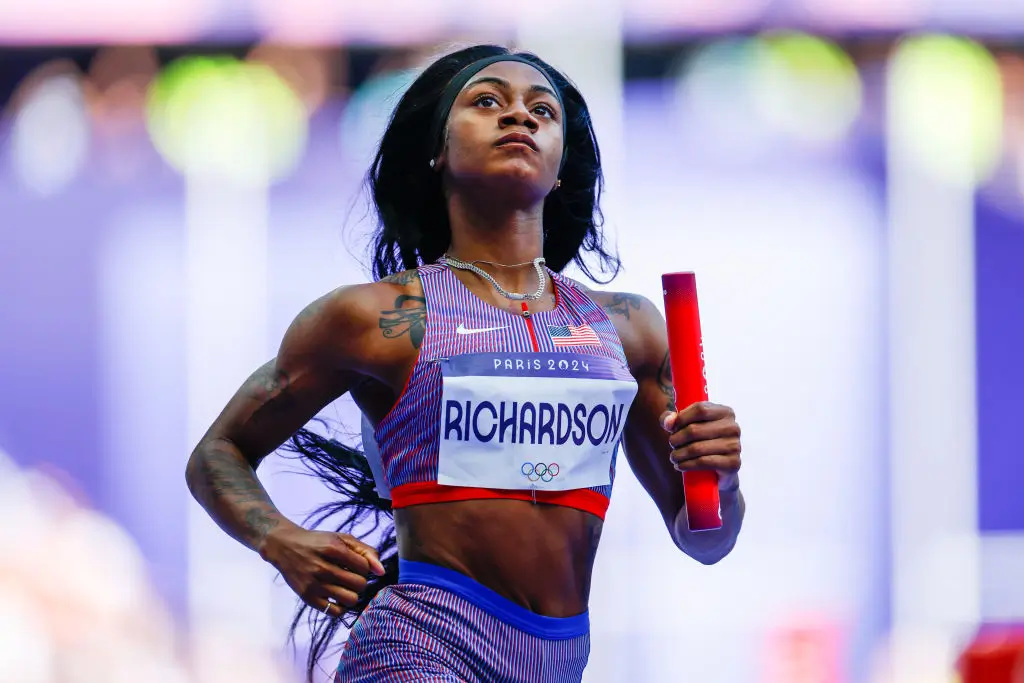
[(573, 335)]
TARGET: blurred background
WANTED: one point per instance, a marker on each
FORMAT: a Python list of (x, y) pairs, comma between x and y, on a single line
[(179, 178)]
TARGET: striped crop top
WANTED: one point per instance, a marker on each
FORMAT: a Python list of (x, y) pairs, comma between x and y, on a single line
[(500, 405)]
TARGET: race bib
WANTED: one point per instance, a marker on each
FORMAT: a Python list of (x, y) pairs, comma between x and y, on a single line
[(547, 421)]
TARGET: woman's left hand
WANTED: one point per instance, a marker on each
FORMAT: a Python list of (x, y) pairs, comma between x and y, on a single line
[(705, 436)]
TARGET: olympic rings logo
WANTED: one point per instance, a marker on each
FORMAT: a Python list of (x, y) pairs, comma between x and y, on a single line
[(540, 471)]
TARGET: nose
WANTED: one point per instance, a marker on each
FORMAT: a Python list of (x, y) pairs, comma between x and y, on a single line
[(518, 115)]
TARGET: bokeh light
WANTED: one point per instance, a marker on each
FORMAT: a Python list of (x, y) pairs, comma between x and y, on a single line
[(218, 116), (308, 71), (120, 77), (77, 606), (808, 87), (50, 137), (26, 649), (947, 106), (111, 576), (716, 93), (751, 94), (367, 113)]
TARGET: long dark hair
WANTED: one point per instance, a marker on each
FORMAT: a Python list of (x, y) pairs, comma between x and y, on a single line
[(413, 230)]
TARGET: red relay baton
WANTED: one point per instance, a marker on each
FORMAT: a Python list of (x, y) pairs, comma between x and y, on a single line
[(686, 353)]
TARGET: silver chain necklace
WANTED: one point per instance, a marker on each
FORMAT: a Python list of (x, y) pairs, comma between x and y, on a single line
[(538, 264)]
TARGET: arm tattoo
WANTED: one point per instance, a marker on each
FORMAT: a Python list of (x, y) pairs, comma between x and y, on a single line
[(260, 523), (269, 387), (403, 319), (403, 278), (665, 383), (622, 304), (222, 480), (312, 310), (225, 476)]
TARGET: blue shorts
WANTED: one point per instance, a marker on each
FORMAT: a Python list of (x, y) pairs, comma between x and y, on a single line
[(439, 626)]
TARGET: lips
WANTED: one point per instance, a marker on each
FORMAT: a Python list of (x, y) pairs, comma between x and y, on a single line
[(517, 138)]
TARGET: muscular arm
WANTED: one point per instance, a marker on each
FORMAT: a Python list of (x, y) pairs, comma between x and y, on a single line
[(642, 330), (316, 363)]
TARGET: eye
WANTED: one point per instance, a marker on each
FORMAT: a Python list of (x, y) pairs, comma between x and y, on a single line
[(485, 101), (544, 110)]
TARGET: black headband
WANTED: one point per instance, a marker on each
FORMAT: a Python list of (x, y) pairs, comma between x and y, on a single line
[(459, 81)]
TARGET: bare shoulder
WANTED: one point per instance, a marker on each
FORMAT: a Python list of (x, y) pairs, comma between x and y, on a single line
[(404, 279), (350, 321), (624, 306), (358, 307), (626, 310), (621, 305), (639, 323)]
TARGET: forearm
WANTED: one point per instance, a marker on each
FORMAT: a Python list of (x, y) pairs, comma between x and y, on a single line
[(225, 484), (708, 547)]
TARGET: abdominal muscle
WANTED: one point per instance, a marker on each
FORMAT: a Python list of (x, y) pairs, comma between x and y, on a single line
[(536, 555)]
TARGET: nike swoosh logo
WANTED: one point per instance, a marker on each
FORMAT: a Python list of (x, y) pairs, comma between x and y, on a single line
[(462, 329)]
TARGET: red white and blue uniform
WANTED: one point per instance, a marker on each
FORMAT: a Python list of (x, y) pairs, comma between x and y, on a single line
[(498, 405)]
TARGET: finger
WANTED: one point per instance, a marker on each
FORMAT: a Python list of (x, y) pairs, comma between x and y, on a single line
[(341, 554), (668, 421), (721, 463), (324, 606), (327, 606), (331, 574), (704, 431), (702, 411), (341, 598), (369, 553), (702, 449)]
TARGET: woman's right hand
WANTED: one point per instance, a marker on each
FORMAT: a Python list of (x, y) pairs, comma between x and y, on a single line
[(327, 570)]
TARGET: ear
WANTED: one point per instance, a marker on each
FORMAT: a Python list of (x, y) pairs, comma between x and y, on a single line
[(442, 157), (440, 160)]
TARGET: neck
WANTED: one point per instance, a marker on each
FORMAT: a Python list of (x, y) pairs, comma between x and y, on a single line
[(488, 231)]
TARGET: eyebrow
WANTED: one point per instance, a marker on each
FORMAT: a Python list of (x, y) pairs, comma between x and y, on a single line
[(505, 84)]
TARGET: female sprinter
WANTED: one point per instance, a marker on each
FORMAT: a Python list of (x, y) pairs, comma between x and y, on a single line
[(496, 389)]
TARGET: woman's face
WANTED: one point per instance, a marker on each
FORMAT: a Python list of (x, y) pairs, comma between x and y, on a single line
[(505, 124)]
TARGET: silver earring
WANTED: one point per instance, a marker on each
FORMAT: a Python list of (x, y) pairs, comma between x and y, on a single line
[(432, 163)]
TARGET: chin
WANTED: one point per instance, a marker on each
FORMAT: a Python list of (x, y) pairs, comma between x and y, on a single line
[(520, 180), (524, 176)]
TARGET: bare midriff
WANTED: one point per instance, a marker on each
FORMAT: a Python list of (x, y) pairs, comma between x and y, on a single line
[(538, 556)]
